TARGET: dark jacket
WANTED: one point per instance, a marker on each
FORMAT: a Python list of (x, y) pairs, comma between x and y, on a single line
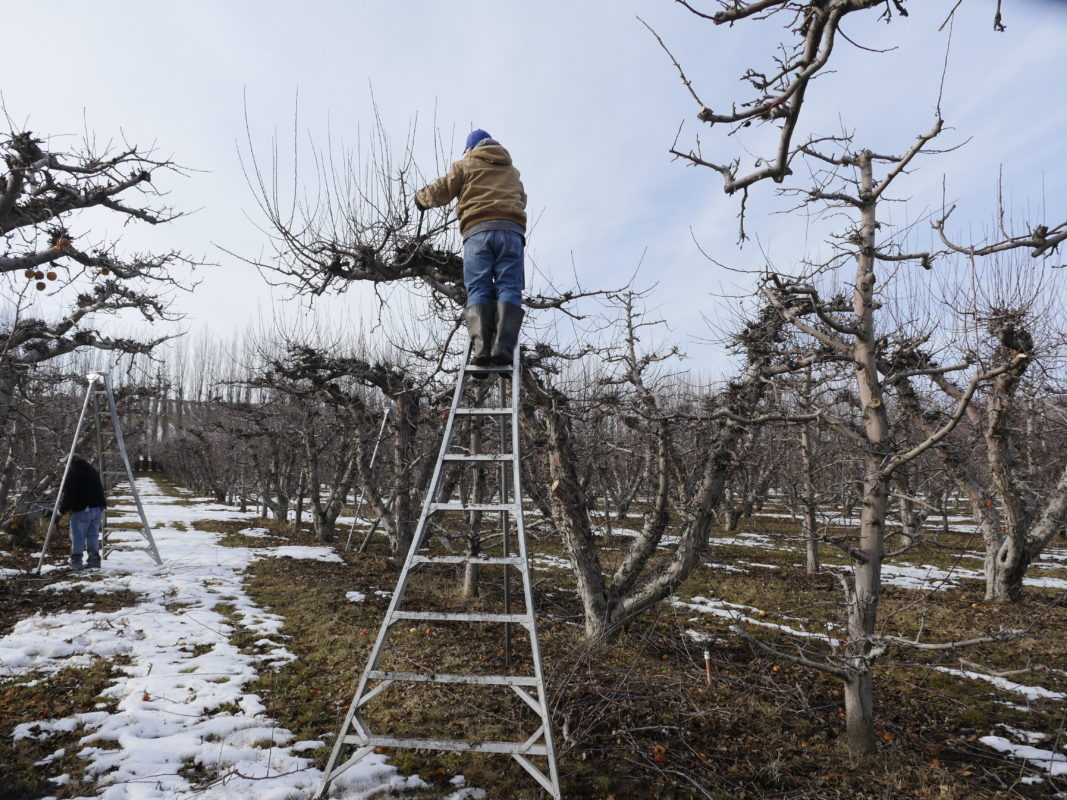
[(83, 488)]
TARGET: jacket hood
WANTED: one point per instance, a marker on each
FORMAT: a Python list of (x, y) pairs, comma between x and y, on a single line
[(492, 153)]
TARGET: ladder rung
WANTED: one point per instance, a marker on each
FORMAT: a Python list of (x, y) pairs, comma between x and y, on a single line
[(478, 457), (449, 616), (448, 744), (512, 507), (432, 677), (511, 561), (490, 368), (503, 410)]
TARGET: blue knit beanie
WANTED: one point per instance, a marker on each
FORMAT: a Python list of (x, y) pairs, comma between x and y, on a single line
[(475, 137)]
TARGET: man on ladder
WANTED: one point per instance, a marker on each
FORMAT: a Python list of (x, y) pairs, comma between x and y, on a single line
[(492, 221)]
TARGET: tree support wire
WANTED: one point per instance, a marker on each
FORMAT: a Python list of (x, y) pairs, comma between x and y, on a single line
[(356, 740), (101, 398)]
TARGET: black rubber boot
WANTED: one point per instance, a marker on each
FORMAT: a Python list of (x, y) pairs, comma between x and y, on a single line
[(75, 560), (480, 322), (94, 559), (508, 321)]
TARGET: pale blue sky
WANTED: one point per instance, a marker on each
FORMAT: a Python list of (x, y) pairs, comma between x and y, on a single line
[(580, 93)]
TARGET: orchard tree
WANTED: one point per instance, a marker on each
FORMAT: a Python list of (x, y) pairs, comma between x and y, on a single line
[(649, 568), (361, 231), (839, 326), (1015, 487), (48, 250)]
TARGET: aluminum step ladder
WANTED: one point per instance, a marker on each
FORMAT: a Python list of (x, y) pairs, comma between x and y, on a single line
[(356, 739), (100, 403)]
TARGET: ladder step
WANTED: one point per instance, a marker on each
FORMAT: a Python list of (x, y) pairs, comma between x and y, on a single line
[(448, 744), (490, 368), (502, 411), (479, 457), (511, 561), (432, 677), (512, 507), (455, 616)]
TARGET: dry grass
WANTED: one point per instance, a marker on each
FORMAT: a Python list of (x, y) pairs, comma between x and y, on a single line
[(636, 718), (36, 697)]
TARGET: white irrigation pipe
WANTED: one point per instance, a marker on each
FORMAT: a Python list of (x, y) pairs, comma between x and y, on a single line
[(363, 491)]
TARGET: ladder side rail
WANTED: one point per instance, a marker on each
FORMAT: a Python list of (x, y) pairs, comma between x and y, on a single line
[(101, 468), (504, 521), (152, 549), (520, 525), (63, 480), (383, 631)]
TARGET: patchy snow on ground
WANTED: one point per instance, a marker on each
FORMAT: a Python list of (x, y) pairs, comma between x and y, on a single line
[(180, 701), (1045, 583), (1053, 554), (725, 568), (754, 616), (1030, 737), (761, 540), (1031, 693), (925, 576), (1047, 760), (547, 562)]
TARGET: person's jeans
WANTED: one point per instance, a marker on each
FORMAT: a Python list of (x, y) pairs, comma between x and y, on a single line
[(493, 268), (85, 530)]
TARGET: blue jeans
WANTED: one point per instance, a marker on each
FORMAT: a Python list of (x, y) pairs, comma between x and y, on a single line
[(493, 268), (85, 530)]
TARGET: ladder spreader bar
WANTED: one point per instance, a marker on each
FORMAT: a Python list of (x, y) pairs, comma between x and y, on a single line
[(506, 369), (474, 507), (447, 616), (448, 744), (439, 677), (511, 561), (478, 457)]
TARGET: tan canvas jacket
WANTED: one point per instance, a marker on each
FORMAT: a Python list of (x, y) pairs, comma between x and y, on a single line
[(487, 185)]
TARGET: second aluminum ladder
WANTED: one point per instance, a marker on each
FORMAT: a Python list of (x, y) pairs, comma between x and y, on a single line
[(100, 403)]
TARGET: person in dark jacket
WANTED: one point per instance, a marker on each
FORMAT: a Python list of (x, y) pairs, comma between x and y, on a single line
[(83, 497), (492, 221)]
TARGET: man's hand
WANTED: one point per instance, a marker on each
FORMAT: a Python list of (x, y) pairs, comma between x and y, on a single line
[(420, 206)]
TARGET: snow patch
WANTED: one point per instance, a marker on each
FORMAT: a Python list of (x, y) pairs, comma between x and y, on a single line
[(1031, 693), (1051, 762), (181, 700)]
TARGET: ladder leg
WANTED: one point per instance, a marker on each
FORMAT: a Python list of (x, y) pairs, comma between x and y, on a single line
[(63, 480), (398, 594), (101, 467), (520, 536), (117, 425), (505, 522)]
